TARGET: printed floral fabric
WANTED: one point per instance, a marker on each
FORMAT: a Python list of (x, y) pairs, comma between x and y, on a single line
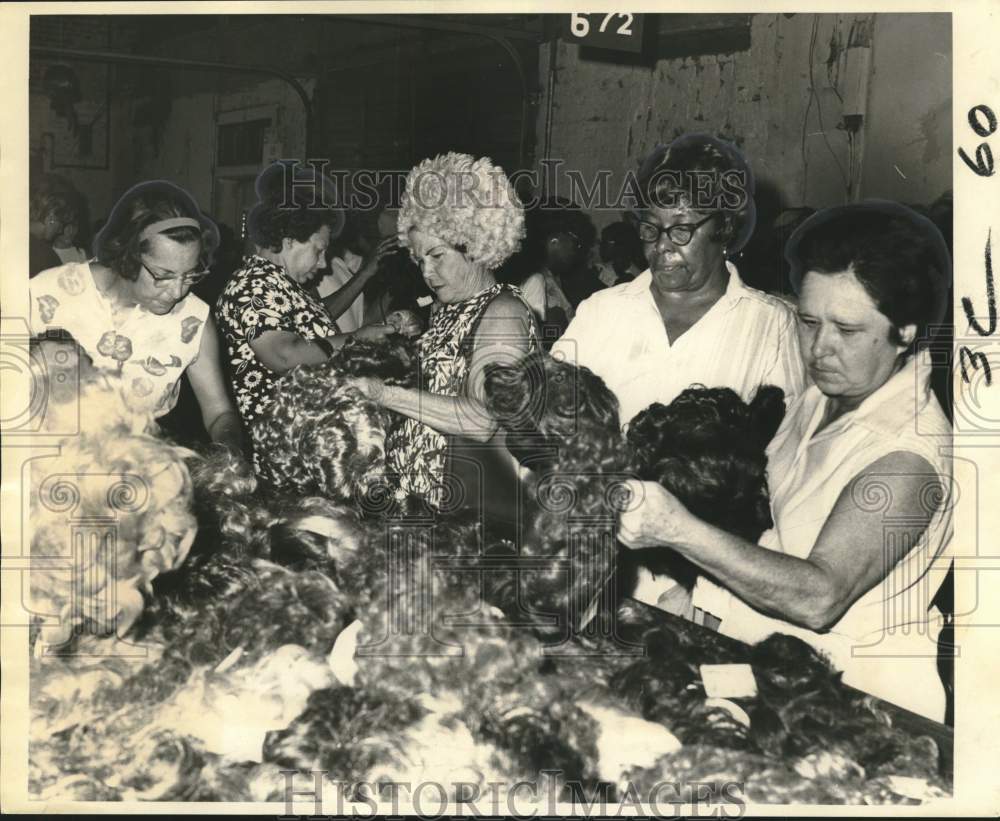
[(148, 352), (416, 452), (260, 297)]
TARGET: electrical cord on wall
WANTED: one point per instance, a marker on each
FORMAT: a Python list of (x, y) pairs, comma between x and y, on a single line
[(819, 111)]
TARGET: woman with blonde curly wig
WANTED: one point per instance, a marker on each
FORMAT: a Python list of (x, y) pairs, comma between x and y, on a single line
[(460, 219)]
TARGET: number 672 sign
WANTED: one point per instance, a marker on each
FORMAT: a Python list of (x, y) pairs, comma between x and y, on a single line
[(618, 31)]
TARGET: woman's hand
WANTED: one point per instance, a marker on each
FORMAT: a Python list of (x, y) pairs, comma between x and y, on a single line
[(371, 387), (374, 331), (406, 322), (370, 263), (653, 518), (217, 412)]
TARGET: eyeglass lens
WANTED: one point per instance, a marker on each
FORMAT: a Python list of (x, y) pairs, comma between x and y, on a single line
[(678, 234)]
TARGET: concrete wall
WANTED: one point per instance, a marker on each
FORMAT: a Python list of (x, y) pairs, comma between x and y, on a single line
[(896, 68), (164, 122), (908, 153), (782, 101)]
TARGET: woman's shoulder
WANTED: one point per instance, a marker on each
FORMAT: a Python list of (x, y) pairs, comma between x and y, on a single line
[(256, 265), (506, 298), (508, 304), (780, 305), (193, 305), (71, 277), (254, 272), (636, 288), (913, 425)]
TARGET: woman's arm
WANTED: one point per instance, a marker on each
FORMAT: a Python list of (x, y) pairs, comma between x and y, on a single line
[(280, 351), (217, 413), (342, 299), (502, 337), (848, 559)]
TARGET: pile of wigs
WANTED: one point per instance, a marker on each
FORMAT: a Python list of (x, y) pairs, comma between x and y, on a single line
[(707, 447), (110, 510), (320, 435), (562, 424), (383, 642)]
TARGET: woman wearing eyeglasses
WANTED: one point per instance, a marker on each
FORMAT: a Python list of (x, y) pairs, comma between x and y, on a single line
[(270, 318), (688, 318), (131, 308), (859, 471)]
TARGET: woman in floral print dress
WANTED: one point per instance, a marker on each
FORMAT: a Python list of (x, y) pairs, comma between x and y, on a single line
[(461, 220), (270, 320), (131, 309)]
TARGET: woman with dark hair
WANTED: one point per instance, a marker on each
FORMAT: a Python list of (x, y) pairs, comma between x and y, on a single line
[(270, 318), (688, 318), (860, 492), (132, 311)]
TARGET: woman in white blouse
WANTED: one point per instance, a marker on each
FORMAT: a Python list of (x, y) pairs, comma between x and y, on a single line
[(860, 489), (131, 307), (688, 318)]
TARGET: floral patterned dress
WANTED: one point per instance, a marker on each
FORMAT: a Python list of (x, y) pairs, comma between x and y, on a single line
[(415, 452), (148, 352), (258, 298)]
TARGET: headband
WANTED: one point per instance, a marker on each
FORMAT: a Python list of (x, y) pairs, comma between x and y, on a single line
[(163, 225)]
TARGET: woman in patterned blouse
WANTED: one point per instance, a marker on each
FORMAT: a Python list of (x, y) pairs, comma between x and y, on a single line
[(460, 219), (271, 322), (131, 307)]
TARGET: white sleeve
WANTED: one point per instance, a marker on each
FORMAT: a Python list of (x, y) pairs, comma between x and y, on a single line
[(338, 276), (37, 287), (533, 291), (788, 371), (574, 345)]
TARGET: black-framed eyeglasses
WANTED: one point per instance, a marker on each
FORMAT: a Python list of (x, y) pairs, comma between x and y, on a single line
[(680, 233), (163, 280)]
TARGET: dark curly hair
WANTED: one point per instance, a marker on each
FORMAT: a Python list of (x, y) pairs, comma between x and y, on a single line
[(52, 195), (550, 217), (680, 171), (102, 729), (707, 448), (899, 257), (293, 202), (321, 436), (561, 421), (118, 245)]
